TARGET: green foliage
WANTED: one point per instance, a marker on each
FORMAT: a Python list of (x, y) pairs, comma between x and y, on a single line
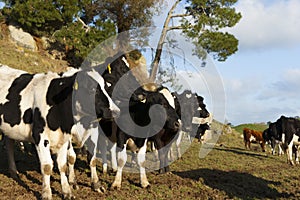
[(258, 127), (79, 42), (209, 18), (41, 18)]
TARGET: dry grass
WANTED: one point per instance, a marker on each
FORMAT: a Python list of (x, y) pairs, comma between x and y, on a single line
[(227, 172)]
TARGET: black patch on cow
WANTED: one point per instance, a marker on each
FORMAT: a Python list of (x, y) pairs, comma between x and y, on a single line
[(11, 109), (59, 97), (27, 117), (38, 125), (46, 142)]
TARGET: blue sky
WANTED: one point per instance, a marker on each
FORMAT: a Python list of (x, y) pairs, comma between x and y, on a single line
[(262, 80)]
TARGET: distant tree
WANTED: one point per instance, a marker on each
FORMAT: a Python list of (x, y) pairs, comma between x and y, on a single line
[(128, 15)]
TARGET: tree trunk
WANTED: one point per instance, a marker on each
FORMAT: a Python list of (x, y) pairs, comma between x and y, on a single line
[(155, 63)]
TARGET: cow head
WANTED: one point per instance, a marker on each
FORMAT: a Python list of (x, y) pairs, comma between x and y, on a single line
[(185, 104), (131, 67), (266, 135), (164, 98), (91, 98)]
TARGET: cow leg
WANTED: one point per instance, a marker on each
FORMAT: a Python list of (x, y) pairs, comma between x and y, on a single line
[(9, 143), (178, 144), (290, 153), (280, 151), (273, 144), (122, 159), (62, 164), (295, 149), (103, 150), (141, 158), (43, 150), (96, 186), (71, 163), (162, 153), (113, 153)]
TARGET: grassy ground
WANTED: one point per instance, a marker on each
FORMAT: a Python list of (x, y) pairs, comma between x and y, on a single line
[(227, 172)]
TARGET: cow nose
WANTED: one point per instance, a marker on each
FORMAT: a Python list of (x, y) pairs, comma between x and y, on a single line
[(116, 113), (177, 125), (207, 115), (188, 129)]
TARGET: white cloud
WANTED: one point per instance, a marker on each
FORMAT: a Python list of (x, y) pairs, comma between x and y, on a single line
[(255, 100), (285, 89), (268, 24)]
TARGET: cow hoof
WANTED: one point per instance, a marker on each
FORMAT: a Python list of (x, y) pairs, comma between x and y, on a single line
[(98, 188), (74, 186), (292, 163), (68, 197), (47, 195), (146, 185), (161, 171), (14, 175), (116, 186)]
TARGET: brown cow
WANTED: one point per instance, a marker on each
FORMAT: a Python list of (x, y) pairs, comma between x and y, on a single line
[(253, 135)]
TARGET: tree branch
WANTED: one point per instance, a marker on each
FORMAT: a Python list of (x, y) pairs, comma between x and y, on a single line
[(180, 15), (154, 64), (87, 28), (175, 28)]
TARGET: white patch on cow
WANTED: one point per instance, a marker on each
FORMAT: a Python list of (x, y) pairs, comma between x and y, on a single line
[(97, 77), (252, 139), (125, 61), (167, 94), (199, 120), (70, 72), (296, 140), (108, 84), (199, 109), (188, 96), (80, 134), (283, 138)]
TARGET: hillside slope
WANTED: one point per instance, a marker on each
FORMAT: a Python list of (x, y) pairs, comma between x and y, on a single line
[(21, 58)]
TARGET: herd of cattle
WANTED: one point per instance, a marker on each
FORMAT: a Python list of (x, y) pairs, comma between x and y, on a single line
[(53, 111), (284, 133)]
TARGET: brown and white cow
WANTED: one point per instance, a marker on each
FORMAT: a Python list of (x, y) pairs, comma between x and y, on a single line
[(253, 136)]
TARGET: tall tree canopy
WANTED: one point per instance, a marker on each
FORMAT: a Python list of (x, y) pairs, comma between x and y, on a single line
[(202, 22)]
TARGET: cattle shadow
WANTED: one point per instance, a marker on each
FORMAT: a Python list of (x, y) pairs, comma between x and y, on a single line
[(236, 184), (242, 151), (26, 161)]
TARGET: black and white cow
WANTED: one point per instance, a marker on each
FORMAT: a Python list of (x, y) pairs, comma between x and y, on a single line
[(272, 141), (48, 110), (286, 130), (136, 99), (193, 114)]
